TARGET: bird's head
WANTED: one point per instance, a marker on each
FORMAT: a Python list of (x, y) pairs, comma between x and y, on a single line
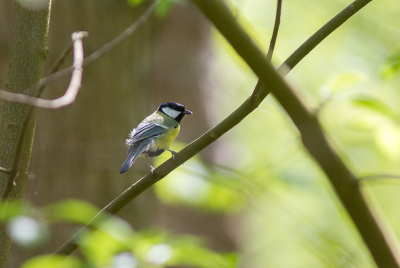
[(174, 110)]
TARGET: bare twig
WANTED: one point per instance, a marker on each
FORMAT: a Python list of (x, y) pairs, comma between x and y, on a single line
[(272, 43), (374, 177), (72, 90), (5, 170), (275, 32), (213, 134), (77, 39), (107, 47)]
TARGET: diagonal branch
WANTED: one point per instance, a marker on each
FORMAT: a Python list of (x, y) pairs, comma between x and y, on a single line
[(378, 239), (216, 132)]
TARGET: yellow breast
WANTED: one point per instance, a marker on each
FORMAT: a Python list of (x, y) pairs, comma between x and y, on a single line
[(165, 140)]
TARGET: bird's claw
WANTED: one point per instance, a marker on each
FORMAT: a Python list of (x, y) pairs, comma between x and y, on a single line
[(173, 154), (150, 166)]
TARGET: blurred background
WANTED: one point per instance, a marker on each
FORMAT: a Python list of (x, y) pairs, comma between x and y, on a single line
[(254, 198)]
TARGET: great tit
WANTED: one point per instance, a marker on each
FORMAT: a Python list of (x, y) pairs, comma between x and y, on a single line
[(154, 134)]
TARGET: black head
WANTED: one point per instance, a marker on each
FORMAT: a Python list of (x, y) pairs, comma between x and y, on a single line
[(174, 110)]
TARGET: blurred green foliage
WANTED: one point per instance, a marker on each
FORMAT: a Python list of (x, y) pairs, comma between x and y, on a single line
[(163, 7), (391, 67), (111, 241)]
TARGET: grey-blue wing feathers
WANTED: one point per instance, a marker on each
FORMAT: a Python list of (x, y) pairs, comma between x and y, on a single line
[(141, 137), (147, 130), (134, 151)]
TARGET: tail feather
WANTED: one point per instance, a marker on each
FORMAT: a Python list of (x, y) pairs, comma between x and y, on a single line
[(135, 151)]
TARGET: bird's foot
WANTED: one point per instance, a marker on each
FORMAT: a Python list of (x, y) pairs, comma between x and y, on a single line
[(150, 166), (173, 154)]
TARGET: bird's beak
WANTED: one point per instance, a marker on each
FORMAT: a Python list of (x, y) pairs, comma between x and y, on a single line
[(188, 112)]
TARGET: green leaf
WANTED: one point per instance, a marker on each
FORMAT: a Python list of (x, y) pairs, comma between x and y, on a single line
[(194, 185), (72, 210), (135, 2), (165, 6), (375, 105), (101, 246), (390, 67), (51, 261), (344, 80), (162, 248), (388, 140)]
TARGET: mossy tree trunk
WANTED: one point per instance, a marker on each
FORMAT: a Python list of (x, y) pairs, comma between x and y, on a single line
[(29, 51)]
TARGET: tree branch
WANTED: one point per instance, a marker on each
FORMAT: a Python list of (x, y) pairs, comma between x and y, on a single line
[(258, 87), (316, 38), (107, 47), (380, 243), (75, 82), (275, 32), (28, 54), (216, 132), (72, 90)]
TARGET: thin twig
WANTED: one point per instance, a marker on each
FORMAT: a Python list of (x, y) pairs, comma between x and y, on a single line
[(275, 32), (72, 90), (22, 98), (379, 177), (316, 38), (78, 54), (104, 49), (272, 43), (5, 170), (125, 34), (210, 136)]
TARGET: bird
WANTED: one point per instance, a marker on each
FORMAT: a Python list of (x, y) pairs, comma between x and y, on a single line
[(154, 134)]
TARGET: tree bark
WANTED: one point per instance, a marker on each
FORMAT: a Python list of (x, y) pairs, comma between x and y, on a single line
[(29, 51)]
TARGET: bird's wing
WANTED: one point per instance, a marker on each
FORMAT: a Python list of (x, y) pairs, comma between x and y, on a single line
[(134, 151), (148, 130)]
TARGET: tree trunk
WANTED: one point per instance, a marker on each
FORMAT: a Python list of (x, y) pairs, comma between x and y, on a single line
[(29, 51)]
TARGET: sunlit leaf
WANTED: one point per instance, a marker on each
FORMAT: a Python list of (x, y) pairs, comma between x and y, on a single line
[(135, 2), (193, 185), (71, 210), (388, 140), (344, 80), (163, 8), (112, 237), (390, 67), (161, 248), (189, 251), (51, 261), (375, 105)]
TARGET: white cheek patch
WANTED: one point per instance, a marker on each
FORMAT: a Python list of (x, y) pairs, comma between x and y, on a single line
[(171, 112)]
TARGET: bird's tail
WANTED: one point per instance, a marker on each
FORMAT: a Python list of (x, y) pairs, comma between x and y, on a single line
[(134, 153)]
